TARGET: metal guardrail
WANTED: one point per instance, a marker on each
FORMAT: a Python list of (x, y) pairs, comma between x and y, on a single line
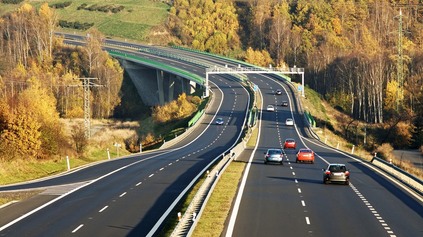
[(406, 178), (188, 220)]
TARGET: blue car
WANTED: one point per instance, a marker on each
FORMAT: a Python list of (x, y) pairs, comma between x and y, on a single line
[(219, 121)]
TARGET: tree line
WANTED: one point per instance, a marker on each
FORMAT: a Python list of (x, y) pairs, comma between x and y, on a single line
[(42, 81), (364, 57)]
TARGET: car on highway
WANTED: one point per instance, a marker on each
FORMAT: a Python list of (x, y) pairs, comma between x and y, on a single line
[(290, 143), (336, 173), (278, 92), (270, 108), (284, 104), (274, 155), (219, 121), (289, 122), (305, 155)]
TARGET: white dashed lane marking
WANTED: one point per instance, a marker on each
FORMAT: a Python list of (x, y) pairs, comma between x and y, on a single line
[(104, 208), (77, 228)]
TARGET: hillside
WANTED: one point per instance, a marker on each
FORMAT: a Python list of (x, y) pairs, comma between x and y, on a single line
[(133, 19)]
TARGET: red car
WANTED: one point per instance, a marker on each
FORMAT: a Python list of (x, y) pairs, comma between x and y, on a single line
[(289, 143), (305, 155)]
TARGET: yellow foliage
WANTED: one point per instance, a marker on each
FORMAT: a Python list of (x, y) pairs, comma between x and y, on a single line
[(260, 58), (148, 139), (392, 95), (174, 110), (45, 11), (26, 7), (75, 112)]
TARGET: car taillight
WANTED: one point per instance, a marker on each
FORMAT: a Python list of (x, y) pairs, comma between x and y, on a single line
[(327, 172), (347, 173)]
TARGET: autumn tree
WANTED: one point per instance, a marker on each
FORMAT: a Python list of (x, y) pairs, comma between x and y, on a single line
[(21, 137), (174, 110), (258, 57), (205, 24)]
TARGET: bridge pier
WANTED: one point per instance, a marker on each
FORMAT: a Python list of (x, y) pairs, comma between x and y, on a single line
[(157, 87)]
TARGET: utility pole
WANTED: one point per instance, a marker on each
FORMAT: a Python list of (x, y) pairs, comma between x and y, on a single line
[(87, 83)]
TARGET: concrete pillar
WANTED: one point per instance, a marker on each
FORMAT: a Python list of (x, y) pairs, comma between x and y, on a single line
[(160, 86), (171, 87)]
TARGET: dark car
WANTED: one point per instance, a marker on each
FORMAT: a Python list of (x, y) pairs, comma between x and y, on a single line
[(274, 155), (284, 103), (290, 143), (336, 173)]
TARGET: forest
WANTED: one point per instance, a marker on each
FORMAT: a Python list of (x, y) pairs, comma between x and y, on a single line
[(364, 57)]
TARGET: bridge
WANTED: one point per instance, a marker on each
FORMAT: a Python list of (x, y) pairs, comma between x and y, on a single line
[(157, 83)]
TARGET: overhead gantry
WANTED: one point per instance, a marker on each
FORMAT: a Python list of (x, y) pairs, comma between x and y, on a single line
[(254, 70)]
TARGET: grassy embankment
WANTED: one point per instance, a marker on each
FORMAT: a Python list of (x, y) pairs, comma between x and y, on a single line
[(139, 20)]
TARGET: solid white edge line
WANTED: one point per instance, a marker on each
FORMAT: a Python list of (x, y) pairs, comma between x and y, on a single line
[(237, 203), (162, 218)]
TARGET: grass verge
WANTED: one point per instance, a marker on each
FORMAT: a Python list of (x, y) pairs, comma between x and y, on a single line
[(212, 221)]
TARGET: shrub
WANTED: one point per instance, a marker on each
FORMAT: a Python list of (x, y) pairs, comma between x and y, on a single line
[(385, 151), (12, 1), (79, 139), (61, 5)]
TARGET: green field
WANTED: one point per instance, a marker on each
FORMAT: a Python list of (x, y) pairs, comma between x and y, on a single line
[(134, 22)]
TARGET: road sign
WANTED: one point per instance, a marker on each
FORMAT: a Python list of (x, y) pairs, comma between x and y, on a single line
[(300, 88)]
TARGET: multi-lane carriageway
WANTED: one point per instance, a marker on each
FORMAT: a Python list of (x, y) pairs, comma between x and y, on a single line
[(132, 196)]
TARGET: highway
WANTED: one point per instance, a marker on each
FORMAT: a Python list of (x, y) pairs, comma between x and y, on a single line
[(132, 196), (291, 200)]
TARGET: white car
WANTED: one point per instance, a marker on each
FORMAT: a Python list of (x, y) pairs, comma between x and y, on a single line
[(278, 92), (289, 122), (270, 108)]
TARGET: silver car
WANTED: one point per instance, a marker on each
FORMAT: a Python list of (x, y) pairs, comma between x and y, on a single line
[(336, 173), (274, 155)]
